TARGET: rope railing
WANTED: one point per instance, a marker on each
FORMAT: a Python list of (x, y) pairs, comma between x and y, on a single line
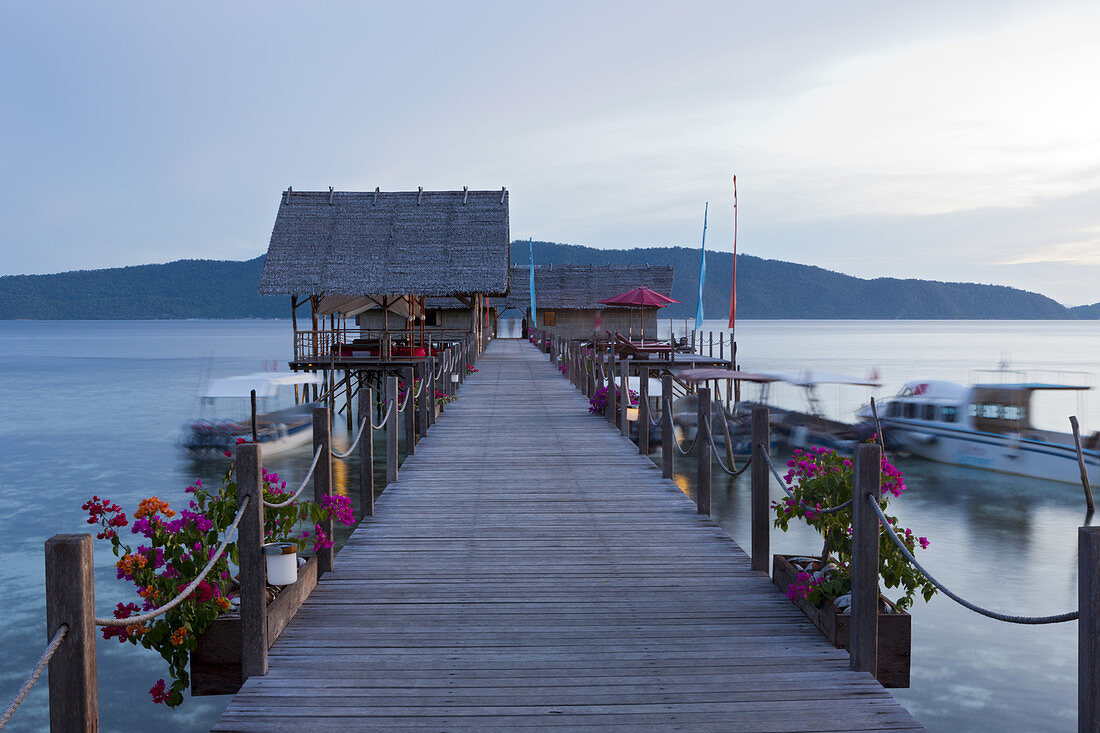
[(783, 485), (404, 400), (301, 488), (419, 389), (345, 454), (135, 620), (35, 673), (722, 464), (689, 451), (1009, 618), (386, 418)]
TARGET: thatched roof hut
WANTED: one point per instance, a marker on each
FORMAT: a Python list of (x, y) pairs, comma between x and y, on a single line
[(580, 287), (350, 243)]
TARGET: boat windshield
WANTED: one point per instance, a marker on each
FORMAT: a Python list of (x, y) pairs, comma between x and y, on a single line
[(999, 410)]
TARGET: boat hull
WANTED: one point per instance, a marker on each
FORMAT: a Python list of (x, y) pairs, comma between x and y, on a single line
[(990, 451)]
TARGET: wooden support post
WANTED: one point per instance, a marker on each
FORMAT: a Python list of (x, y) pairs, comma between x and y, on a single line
[(721, 345), (710, 353), (347, 401), (643, 410), (668, 435), (70, 601), (1088, 630), (624, 397), (702, 452), (609, 384), (1089, 504), (366, 453), (250, 540), (422, 401), (590, 371), (760, 509), (429, 391), (410, 414), (391, 430), (322, 479), (865, 561)]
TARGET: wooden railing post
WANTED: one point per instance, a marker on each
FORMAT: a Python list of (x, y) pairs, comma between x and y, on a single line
[(366, 453), (590, 372), (391, 430), (322, 480), (643, 410), (250, 540), (624, 397), (760, 506), (70, 601), (429, 391), (410, 413), (1088, 629), (423, 401), (863, 646), (702, 452), (668, 435), (609, 384)]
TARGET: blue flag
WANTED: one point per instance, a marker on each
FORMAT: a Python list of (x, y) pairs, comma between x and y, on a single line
[(534, 318), (702, 271)]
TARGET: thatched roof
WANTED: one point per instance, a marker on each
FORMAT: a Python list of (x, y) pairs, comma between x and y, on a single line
[(580, 287), (376, 243)]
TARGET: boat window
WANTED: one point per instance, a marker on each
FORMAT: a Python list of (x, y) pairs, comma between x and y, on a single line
[(997, 417), (910, 409), (928, 412), (893, 409), (947, 414)]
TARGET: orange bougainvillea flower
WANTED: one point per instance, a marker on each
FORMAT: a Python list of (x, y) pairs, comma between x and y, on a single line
[(223, 603), (152, 505), (149, 593), (179, 636), (127, 564)]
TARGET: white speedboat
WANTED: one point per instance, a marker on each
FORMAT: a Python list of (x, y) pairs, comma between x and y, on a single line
[(226, 414), (984, 426)]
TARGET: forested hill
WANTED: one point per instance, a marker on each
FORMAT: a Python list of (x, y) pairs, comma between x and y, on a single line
[(765, 289), (774, 289)]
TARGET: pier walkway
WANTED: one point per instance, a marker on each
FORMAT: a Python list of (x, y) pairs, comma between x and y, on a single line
[(530, 570)]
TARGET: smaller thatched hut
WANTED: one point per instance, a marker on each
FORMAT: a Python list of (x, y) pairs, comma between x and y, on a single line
[(567, 297)]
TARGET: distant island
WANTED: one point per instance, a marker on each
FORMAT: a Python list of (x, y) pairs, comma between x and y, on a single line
[(765, 289)]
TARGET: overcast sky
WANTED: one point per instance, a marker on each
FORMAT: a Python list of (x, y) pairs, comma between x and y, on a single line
[(943, 140)]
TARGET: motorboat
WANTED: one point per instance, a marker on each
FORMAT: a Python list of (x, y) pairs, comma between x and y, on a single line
[(986, 425), (282, 423)]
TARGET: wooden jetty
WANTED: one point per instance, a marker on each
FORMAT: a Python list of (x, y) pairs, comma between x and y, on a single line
[(530, 569)]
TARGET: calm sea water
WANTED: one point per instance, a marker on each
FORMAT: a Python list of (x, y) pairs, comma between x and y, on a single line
[(96, 408)]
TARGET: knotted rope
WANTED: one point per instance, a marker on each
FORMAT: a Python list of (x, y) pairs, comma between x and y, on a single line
[(386, 418), (1059, 618), (43, 660), (312, 466), (135, 620), (362, 424)]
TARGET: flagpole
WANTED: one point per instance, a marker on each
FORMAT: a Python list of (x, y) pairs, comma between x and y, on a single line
[(733, 285), (534, 317), (702, 271)]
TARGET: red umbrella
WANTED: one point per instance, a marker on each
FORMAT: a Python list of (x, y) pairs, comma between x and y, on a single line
[(640, 297)]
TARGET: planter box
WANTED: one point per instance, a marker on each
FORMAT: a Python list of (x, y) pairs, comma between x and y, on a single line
[(216, 661), (894, 629)]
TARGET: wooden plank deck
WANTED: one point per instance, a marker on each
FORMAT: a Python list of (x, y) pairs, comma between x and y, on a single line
[(531, 570)]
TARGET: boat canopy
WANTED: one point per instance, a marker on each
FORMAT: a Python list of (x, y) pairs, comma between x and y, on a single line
[(811, 377), (266, 384), (703, 374), (1032, 386)]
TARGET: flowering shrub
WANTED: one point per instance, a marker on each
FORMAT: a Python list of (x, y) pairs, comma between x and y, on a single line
[(470, 369), (563, 368), (597, 403), (172, 549), (442, 398), (821, 478)]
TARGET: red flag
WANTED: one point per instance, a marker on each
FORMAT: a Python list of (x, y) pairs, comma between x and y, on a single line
[(733, 285)]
